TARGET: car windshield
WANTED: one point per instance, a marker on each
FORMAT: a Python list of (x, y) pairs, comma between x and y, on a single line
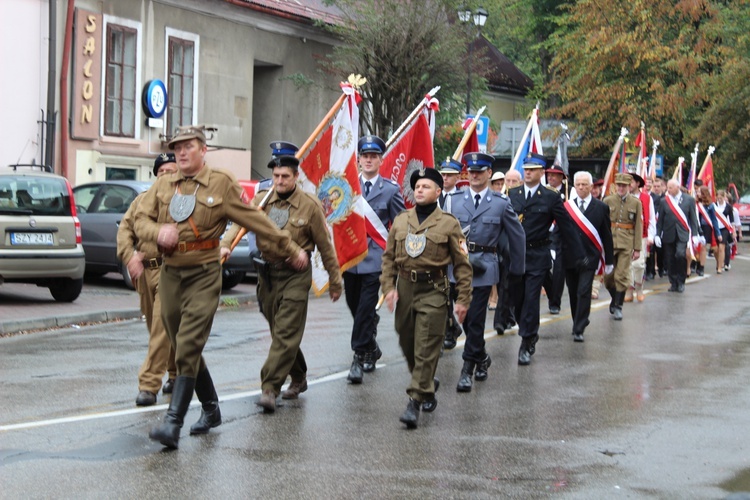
[(30, 195), (745, 198)]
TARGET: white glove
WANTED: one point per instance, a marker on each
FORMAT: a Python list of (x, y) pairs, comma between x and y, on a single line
[(609, 268), (703, 240), (696, 240), (657, 241)]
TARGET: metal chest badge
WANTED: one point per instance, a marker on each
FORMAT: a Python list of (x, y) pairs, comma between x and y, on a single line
[(279, 216), (415, 244), (182, 205)]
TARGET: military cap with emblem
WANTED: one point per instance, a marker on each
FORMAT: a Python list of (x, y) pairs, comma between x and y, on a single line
[(623, 179), (555, 169), (478, 161), (598, 182), (371, 144), (638, 179), (187, 133), (534, 160), (161, 160), (426, 173), (282, 148), (450, 166)]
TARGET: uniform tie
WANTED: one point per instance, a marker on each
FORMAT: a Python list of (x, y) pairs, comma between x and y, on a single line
[(582, 204), (368, 185), (476, 200), (528, 194)]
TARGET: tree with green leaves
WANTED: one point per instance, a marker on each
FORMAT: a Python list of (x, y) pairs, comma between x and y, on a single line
[(404, 48)]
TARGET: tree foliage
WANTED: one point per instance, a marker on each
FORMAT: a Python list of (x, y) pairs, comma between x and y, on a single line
[(404, 48), (650, 62)]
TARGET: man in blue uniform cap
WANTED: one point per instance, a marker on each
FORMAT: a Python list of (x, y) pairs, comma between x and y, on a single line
[(282, 148), (483, 215), (362, 282)]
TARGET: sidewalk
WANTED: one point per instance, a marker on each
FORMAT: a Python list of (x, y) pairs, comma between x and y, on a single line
[(28, 307)]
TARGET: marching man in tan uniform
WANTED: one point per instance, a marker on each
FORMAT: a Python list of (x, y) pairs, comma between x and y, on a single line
[(186, 214), (283, 291), (422, 242), (144, 259), (627, 230)]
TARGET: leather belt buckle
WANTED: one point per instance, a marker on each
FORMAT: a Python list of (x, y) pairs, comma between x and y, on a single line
[(413, 276), (472, 246), (182, 246)]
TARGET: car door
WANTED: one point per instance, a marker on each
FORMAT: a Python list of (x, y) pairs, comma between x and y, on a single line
[(100, 222)]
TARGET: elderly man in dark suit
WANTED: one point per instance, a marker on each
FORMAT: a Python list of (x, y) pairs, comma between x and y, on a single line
[(676, 228), (591, 218), (484, 215), (362, 282), (537, 207)]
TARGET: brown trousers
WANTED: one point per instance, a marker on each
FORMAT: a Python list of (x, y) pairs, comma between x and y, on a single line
[(160, 356)]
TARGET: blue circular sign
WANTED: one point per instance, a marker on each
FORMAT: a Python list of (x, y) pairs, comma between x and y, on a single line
[(155, 98)]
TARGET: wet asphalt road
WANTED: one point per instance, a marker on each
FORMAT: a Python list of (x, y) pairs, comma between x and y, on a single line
[(656, 406)]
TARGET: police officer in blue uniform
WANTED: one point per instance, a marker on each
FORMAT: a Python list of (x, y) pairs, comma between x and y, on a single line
[(483, 215), (362, 282), (537, 207)]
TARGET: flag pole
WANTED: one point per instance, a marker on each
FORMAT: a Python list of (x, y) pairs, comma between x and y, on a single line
[(526, 133), (652, 166), (611, 165), (400, 130), (302, 150), (469, 130)]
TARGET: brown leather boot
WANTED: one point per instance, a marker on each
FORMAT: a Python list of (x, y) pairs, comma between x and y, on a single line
[(267, 401), (294, 389)]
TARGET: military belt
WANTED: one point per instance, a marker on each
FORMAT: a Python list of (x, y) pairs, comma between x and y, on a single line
[(154, 263), (622, 226), (474, 248), (538, 243), (421, 276), (189, 246)]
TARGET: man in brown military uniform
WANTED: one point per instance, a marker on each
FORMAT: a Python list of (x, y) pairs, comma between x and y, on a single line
[(144, 260), (422, 242), (283, 291), (185, 214), (627, 229)]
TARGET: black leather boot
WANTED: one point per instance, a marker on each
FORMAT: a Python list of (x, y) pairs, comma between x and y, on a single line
[(464, 381), (411, 414), (168, 432), (210, 412), (613, 302), (355, 372), (619, 301)]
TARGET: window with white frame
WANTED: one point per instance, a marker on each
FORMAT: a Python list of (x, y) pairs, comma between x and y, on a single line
[(121, 78), (182, 78)]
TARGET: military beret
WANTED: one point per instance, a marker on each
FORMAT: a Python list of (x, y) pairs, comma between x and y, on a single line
[(534, 160), (598, 182), (284, 161), (451, 166), (478, 161), (426, 173), (281, 148), (161, 160), (371, 144), (623, 179)]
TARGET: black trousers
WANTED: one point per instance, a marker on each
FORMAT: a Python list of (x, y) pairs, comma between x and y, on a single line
[(504, 312), (675, 261), (474, 324), (362, 297), (554, 282), (527, 302), (579, 291)]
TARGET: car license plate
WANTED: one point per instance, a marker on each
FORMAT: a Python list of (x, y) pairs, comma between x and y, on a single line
[(31, 239)]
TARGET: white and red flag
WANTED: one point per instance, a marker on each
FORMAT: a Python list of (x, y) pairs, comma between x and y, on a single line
[(410, 148), (329, 170), (642, 158)]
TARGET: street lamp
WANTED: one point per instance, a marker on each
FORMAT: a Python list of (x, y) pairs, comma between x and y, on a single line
[(479, 18)]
